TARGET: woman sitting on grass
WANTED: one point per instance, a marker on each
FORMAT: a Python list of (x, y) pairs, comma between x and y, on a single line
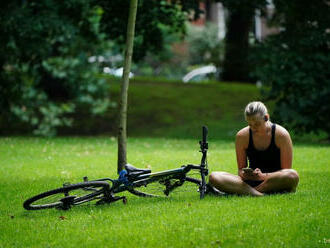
[(268, 148)]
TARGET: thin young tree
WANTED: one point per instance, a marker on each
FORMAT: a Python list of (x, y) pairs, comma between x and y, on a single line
[(122, 130)]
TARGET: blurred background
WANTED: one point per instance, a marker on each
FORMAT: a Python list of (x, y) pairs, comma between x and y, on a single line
[(194, 63)]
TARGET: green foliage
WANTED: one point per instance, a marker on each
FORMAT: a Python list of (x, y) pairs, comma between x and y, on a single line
[(44, 62), (154, 21), (294, 65), (204, 45), (42, 113), (200, 47), (164, 62), (158, 25), (45, 47)]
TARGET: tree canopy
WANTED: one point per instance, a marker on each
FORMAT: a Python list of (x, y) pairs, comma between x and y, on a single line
[(45, 48), (294, 65)]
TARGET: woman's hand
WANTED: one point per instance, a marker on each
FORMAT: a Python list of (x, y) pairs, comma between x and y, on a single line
[(255, 175)]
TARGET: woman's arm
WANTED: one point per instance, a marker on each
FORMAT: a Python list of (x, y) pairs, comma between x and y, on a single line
[(241, 146), (284, 143)]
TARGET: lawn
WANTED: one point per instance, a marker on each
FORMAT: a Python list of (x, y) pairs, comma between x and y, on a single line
[(32, 165), (172, 110)]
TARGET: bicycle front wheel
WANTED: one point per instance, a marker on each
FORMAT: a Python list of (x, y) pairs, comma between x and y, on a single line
[(158, 188), (154, 189), (77, 193)]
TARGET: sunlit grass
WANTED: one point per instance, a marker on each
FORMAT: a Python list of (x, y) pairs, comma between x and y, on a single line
[(32, 165)]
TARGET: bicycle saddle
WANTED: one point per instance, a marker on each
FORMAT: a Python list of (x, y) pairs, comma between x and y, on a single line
[(133, 171)]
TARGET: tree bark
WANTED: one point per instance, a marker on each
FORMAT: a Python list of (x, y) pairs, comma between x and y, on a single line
[(236, 66), (122, 127)]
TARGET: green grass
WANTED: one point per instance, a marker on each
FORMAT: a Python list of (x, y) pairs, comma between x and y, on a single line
[(165, 108), (32, 165), (177, 110)]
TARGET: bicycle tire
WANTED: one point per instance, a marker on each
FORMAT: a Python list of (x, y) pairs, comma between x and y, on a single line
[(140, 193), (202, 188), (194, 180), (199, 182), (149, 190), (90, 191)]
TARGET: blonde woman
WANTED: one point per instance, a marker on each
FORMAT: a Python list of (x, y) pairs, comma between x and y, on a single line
[(264, 158)]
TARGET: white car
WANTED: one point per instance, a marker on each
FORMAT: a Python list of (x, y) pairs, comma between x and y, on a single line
[(116, 72), (199, 74)]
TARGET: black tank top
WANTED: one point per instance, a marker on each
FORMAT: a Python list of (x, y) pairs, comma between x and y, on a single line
[(268, 160)]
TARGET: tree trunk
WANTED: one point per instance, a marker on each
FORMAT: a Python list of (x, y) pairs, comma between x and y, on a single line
[(236, 66), (122, 133)]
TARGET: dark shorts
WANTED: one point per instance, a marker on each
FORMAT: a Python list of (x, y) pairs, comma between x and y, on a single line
[(253, 183)]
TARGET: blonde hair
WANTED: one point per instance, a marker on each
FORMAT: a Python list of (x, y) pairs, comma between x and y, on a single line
[(256, 108)]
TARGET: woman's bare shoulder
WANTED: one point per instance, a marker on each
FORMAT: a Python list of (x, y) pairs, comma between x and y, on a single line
[(281, 131), (282, 135), (242, 137), (244, 132)]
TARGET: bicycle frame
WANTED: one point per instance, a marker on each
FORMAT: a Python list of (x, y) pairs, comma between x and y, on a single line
[(130, 179), (126, 182), (145, 179)]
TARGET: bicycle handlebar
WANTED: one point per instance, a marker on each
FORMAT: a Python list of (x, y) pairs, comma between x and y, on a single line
[(205, 131), (203, 143)]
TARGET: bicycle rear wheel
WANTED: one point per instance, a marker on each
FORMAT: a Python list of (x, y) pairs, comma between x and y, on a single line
[(74, 194)]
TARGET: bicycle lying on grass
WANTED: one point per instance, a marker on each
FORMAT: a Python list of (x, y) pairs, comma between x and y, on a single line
[(131, 179)]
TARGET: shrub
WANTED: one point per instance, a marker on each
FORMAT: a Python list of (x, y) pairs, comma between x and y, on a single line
[(45, 71), (294, 65), (204, 45)]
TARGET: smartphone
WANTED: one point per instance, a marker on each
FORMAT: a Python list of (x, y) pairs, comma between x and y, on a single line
[(248, 170)]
